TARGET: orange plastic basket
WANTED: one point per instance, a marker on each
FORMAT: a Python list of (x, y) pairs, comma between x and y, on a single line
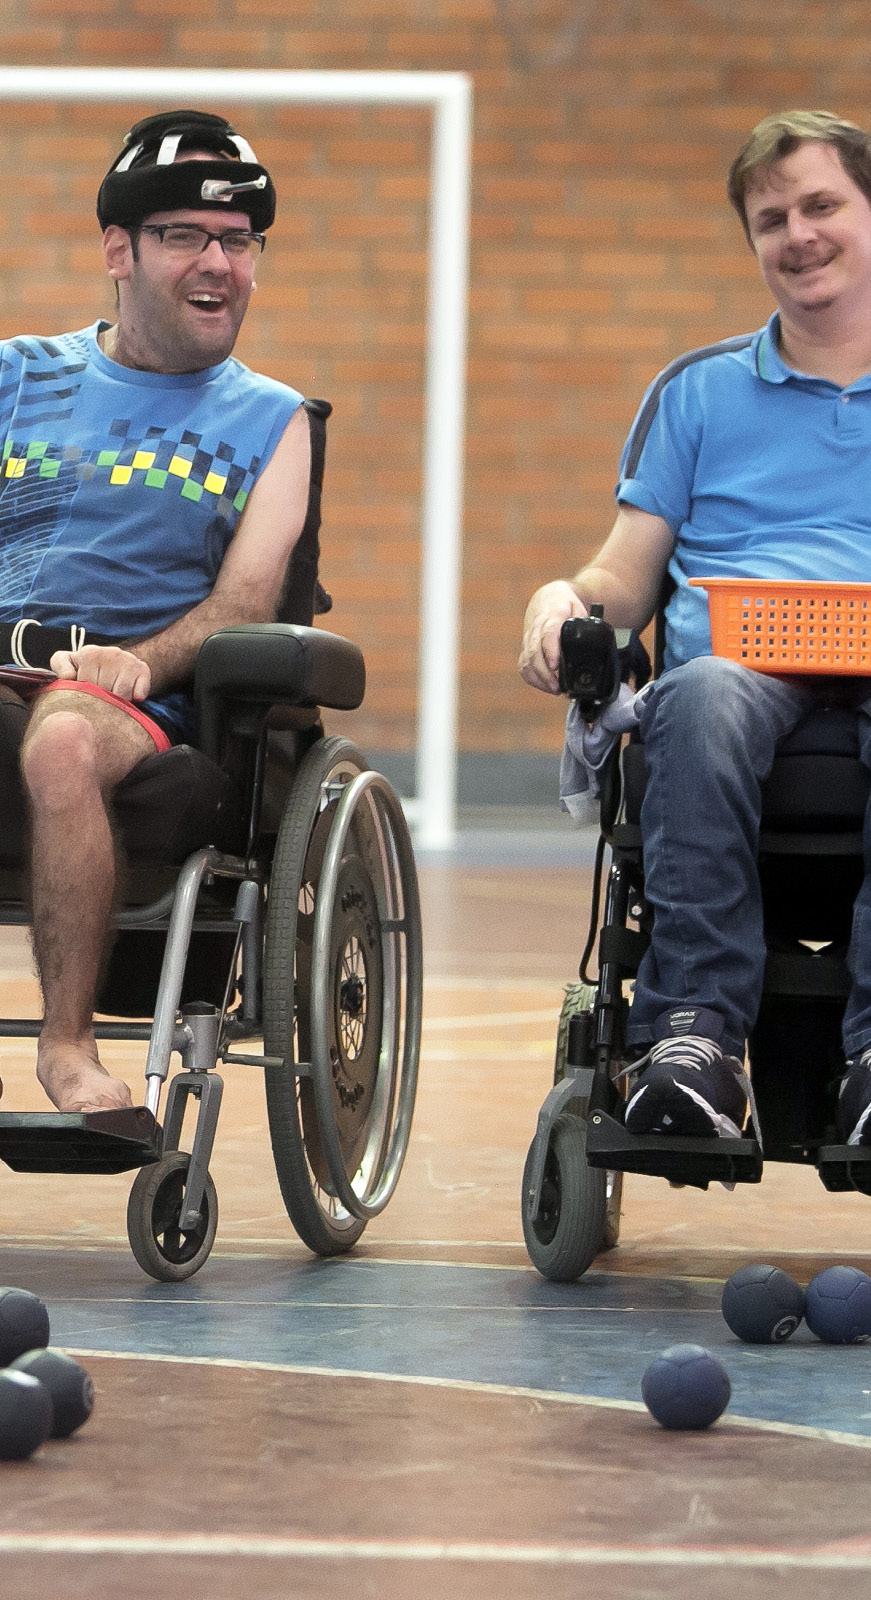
[(790, 627)]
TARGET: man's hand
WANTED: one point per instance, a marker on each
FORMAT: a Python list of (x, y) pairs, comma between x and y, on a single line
[(119, 671), (549, 608)]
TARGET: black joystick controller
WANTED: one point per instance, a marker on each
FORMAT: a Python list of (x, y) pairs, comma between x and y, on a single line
[(589, 664)]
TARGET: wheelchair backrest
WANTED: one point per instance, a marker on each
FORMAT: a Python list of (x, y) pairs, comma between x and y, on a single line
[(303, 597)]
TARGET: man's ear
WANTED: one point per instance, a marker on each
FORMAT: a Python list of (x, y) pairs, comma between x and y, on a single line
[(117, 252)]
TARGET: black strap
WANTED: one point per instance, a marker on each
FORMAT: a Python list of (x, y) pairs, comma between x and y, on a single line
[(623, 947), (29, 643)]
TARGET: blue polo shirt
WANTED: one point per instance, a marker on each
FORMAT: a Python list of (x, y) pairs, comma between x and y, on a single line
[(758, 470)]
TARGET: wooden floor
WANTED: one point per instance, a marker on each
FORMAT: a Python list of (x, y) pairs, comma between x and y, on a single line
[(428, 1416)]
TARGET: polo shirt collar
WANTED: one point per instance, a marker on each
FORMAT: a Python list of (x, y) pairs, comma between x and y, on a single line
[(773, 369), (769, 363)]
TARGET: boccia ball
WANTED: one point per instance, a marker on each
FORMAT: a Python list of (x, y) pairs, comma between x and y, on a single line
[(70, 1387), (23, 1324), (686, 1387), (762, 1304), (838, 1305), (25, 1415)]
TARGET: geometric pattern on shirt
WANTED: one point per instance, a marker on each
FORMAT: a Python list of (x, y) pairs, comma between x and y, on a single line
[(154, 460)]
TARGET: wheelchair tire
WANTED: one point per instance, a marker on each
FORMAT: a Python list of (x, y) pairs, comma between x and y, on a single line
[(153, 1210), (322, 1223), (342, 979), (568, 1231), (582, 997)]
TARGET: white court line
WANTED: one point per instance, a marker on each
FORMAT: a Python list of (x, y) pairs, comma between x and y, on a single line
[(471, 1386), (236, 1249), (532, 1050), (485, 985), (491, 1019), (427, 1550)]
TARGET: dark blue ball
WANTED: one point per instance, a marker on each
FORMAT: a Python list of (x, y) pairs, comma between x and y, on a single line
[(686, 1387), (23, 1323), (762, 1304), (26, 1415), (838, 1305)]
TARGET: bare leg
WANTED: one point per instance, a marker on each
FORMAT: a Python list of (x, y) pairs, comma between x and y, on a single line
[(71, 759)]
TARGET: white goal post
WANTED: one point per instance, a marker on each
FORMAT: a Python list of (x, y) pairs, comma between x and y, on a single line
[(449, 94)]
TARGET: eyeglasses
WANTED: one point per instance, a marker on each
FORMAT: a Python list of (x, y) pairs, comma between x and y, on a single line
[(184, 239)]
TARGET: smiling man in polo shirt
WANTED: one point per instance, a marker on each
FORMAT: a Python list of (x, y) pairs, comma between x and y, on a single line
[(752, 456)]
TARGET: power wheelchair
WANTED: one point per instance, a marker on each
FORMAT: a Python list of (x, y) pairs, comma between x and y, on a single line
[(811, 866), (271, 892)]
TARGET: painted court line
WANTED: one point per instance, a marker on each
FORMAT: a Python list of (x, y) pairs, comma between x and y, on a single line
[(425, 1550), (491, 1019), (533, 1050), (470, 985), (472, 1386)]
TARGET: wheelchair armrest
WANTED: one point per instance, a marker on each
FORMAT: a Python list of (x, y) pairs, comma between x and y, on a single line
[(273, 663)]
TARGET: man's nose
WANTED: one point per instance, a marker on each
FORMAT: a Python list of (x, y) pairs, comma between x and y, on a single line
[(214, 257), (799, 228)]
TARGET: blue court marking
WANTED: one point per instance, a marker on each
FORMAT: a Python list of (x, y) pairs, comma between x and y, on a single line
[(440, 1321)]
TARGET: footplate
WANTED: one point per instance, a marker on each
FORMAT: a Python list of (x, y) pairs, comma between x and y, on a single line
[(696, 1162), (845, 1166), (79, 1141)]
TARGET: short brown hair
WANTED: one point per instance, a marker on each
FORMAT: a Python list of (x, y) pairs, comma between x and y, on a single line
[(779, 135)]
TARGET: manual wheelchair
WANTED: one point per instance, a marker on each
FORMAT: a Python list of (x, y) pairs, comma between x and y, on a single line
[(271, 893), (811, 867)]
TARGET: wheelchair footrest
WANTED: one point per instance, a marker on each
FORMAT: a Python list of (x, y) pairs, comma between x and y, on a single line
[(845, 1166), (79, 1141), (696, 1162)]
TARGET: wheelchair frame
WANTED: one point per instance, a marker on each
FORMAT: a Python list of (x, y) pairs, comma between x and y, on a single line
[(324, 920), (572, 1180)]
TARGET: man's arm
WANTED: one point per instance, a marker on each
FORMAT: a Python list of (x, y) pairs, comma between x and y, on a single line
[(247, 588), (625, 577)]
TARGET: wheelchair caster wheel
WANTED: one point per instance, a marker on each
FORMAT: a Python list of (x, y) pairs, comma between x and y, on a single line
[(153, 1211), (569, 1229)]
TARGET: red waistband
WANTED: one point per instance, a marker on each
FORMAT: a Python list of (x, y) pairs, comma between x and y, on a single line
[(161, 740)]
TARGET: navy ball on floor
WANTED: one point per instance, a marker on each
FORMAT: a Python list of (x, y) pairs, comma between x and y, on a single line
[(70, 1387), (23, 1323), (762, 1304), (838, 1305), (686, 1387), (26, 1415)]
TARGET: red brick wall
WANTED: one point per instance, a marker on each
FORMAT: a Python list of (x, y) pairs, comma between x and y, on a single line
[(602, 246)]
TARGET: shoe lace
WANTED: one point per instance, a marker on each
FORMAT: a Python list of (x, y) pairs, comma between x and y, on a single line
[(691, 1050)]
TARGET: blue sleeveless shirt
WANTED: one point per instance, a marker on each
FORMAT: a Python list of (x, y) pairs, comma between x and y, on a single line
[(120, 490)]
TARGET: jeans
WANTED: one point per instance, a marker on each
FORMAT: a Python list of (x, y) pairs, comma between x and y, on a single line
[(710, 729)]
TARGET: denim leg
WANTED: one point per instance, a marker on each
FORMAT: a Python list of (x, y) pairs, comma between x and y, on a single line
[(857, 1016), (709, 729)]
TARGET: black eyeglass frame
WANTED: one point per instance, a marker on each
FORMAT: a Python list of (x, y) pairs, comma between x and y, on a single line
[(161, 228)]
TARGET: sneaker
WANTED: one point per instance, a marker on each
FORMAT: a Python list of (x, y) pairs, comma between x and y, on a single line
[(854, 1101), (689, 1087)]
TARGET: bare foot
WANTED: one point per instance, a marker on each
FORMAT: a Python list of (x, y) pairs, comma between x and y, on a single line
[(74, 1079)]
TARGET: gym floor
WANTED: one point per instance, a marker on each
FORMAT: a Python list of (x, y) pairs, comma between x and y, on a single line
[(428, 1415)]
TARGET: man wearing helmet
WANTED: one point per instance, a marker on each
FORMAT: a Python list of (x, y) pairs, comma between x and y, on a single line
[(153, 490)]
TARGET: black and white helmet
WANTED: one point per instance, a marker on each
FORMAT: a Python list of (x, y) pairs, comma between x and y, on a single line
[(148, 176)]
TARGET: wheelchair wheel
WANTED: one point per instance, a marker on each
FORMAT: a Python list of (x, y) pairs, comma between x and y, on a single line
[(567, 1232), (153, 1211), (582, 997), (342, 984)]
